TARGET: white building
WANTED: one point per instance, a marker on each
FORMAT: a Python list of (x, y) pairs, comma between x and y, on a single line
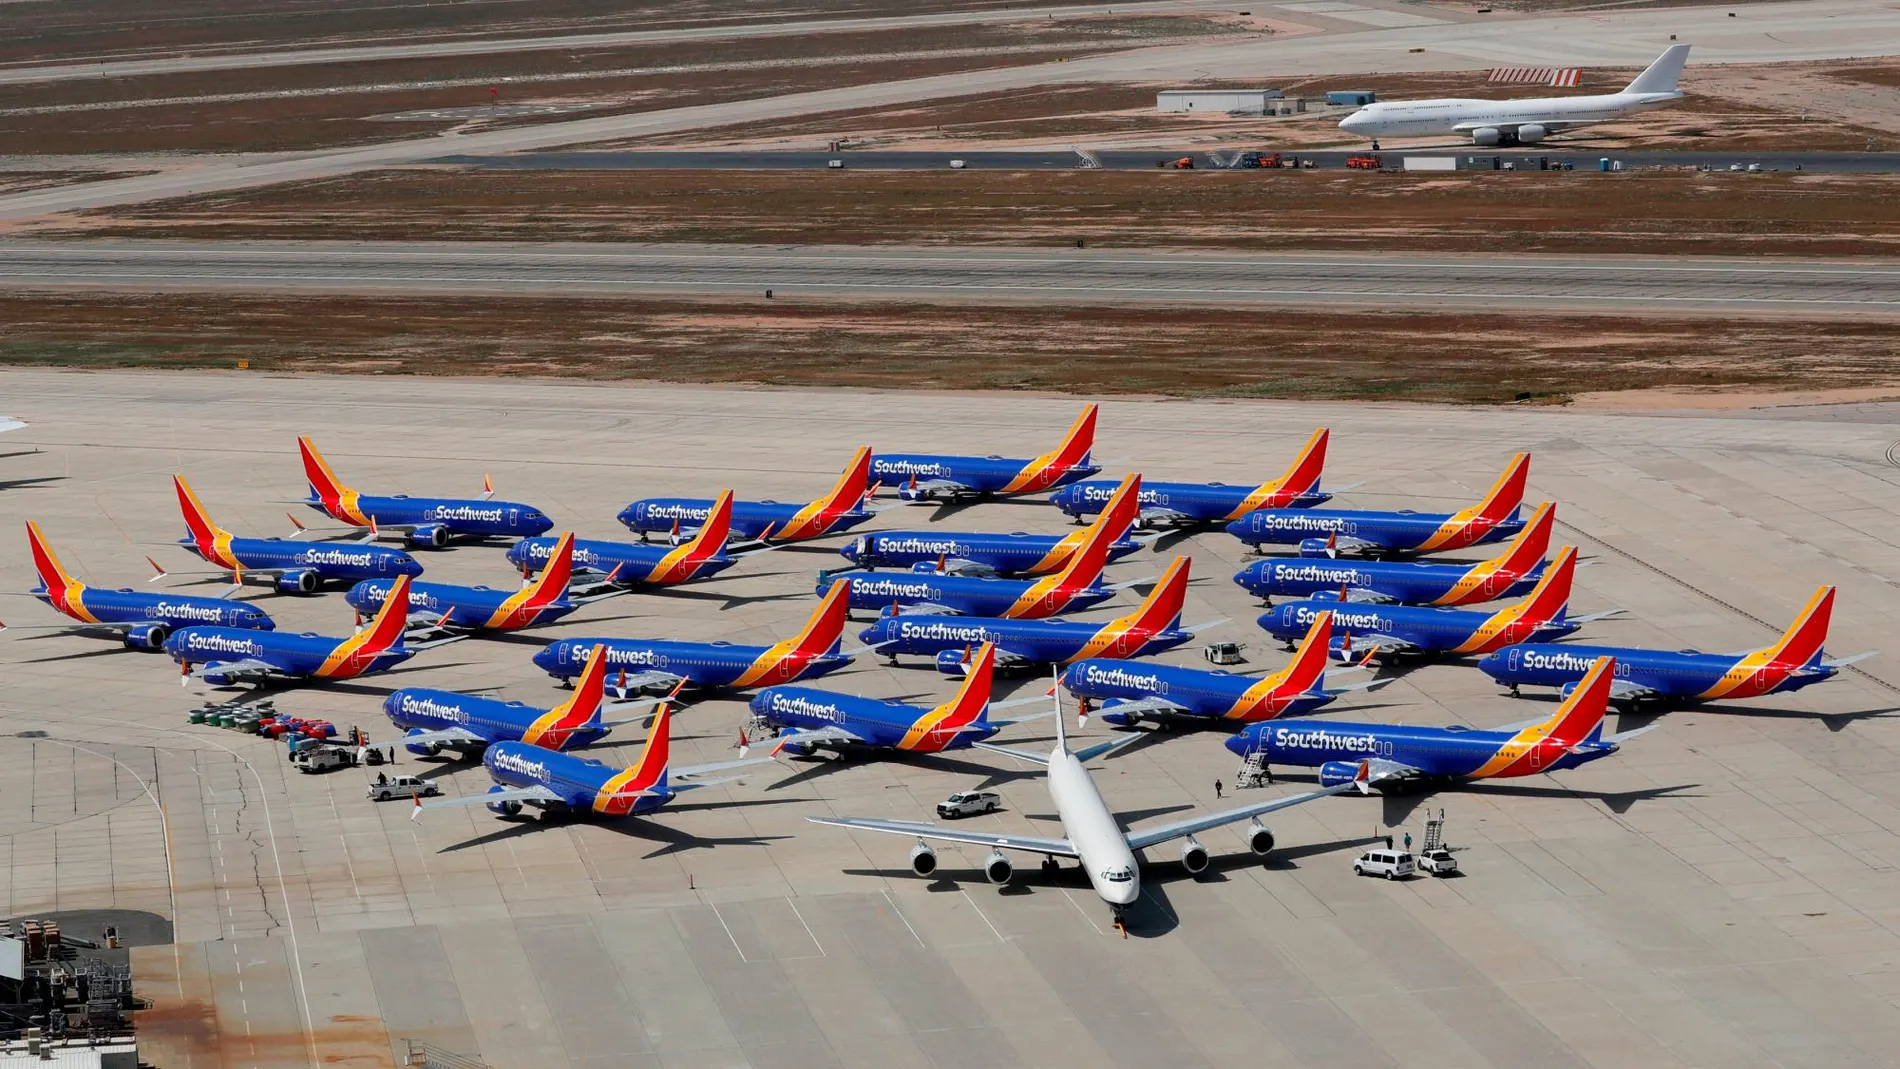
[(1217, 101)]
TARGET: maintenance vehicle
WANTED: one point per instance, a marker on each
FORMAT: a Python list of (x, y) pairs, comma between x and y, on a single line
[(968, 803)]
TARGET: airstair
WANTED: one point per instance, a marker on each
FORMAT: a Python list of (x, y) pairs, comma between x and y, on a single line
[(1253, 770)]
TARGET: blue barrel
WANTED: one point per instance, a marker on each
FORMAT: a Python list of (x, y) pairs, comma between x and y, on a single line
[(291, 737)]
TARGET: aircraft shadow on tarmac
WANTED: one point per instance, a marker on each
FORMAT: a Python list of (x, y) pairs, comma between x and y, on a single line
[(640, 827), (735, 601), (29, 482), (1834, 722), (991, 775)]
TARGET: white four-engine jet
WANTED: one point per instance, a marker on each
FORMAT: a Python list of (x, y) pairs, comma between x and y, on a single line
[(1094, 836), (1519, 122)]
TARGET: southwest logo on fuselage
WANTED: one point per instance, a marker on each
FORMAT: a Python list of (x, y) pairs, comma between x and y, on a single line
[(229, 657), (1570, 737), (839, 510), (423, 521), (439, 719), (1385, 533), (1172, 695), (142, 620), (812, 652), (1795, 660), (1511, 573), (1405, 629), (818, 718), (1198, 503), (293, 566), (922, 476), (630, 564)]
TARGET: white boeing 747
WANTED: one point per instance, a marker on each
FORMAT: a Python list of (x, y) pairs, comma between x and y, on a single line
[(1093, 834), (1520, 122)]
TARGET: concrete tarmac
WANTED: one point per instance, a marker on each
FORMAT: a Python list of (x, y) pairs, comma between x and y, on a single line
[(1476, 282), (1719, 894)]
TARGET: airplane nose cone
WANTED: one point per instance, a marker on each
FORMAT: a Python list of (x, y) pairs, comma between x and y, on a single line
[(851, 550), (409, 566), (871, 634), (1491, 664), (629, 515), (1238, 528), (761, 703), (549, 658)]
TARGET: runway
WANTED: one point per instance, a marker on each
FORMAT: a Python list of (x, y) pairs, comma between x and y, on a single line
[(1496, 284)]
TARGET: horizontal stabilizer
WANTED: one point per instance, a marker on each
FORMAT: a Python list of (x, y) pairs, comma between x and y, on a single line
[(1843, 662)]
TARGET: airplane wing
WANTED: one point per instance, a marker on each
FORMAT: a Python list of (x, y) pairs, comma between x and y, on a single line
[(8, 423), (1368, 685), (927, 486), (1378, 644), (1159, 708), (445, 735), (1623, 690), (829, 737), (512, 794), (638, 703), (1156, 836), (696, 771), (119, 626), (924, 830), (1552, 125), (1153, 515), (248, 668), (641, 680), (930, 608)]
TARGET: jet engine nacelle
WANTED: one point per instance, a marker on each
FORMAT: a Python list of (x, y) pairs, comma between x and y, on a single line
[(951, 663), (422, 749), (146, 636), (998, 868), (218, 677), (503, 809), (299, 581), (1334, 773), (1531, 133), (1564, 691), (1315, 547), (796, 749), (1259, 839), (433, 535), (1193, 856), (923, 860), (1487, 136)]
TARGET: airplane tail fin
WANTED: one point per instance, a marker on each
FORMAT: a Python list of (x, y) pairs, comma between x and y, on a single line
[(1085, 565), (1123, 509), (324, 485), (1581, 714), (1075, 447), (713, 533), (580, 711), (1663, 75), (1307, 670), (971, 705), (551, 584), (52, 576), (1507, 493), (852, 484), (1303, 477), (1528, 546), (203, 531), (1549, 600), (649, 772), (386, 629), (825, 629), (1161, 610), (1801, 643)]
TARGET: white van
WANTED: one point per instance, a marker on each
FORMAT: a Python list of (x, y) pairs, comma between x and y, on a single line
[(1392, 864)]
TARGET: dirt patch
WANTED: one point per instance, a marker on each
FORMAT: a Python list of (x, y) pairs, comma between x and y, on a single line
[(1173, 351), (21, 181), (1528, 211)]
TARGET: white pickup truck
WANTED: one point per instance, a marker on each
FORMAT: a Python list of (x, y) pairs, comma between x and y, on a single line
[(403, 787)]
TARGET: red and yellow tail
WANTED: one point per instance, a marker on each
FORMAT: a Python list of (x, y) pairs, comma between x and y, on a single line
[(939, 728), (1546, 602), (620, 794), (1767, 668), (551, 585), (1308, 666), (1302, 478), (708, 542), (66, 593), (1124, 508), (355, 654), (1087, 561), (816, 518), (1466, 526), (555, 728), (213, 542), (1042, 472), (785, 661), (338, 500), (1490, 579), (1537, 747), (1125, 636)]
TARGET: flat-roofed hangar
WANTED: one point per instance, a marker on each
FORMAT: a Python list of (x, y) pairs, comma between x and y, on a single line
[(1219, 101)]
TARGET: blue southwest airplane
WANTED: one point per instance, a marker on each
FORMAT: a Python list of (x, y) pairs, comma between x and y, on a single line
[(990, 554), (1507, 575), (1794, 661), (423, 521), (436, 720), (461, 609), (142, 620), (809, 720), (1154, 626), (839, 510), (1173, 696), (1076, 587), (922, 476), (667, 665), (1399, 755), (1332, 532), (1200, 503), (294, 567), (1390, 630), (228, 657), (627, 565), (562, 784)]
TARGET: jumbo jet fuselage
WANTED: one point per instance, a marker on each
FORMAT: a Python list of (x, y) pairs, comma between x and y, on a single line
[(1091, 828), (1453, 115)]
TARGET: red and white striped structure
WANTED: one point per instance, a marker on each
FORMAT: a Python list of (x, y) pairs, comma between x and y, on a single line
[(1562, 77)]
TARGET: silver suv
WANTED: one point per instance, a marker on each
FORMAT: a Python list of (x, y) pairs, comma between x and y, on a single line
[(964, 803)]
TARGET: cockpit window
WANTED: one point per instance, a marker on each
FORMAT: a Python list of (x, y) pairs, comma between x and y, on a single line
[(1118, 875)]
